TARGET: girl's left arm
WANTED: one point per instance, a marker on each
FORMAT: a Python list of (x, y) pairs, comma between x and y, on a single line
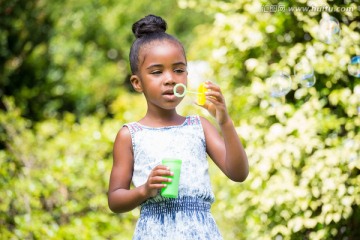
[(226, 151)]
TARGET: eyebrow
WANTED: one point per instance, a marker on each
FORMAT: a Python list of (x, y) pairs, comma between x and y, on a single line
[(160, 65)]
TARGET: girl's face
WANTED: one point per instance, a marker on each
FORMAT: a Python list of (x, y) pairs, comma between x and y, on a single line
[(162, 64)]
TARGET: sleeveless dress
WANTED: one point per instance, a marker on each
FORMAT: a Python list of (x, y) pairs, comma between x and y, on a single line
[(187, 217)]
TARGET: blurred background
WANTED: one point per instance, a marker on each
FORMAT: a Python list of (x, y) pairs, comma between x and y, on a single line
[(65, 92)]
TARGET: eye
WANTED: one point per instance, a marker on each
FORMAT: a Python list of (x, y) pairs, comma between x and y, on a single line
[(179, 70), (156, 72)]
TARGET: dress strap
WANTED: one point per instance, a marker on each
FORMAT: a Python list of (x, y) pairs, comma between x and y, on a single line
[(133, 127), (193, 120)]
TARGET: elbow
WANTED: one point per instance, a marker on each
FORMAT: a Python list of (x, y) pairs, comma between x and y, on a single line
[(112, 206), (237, 169), (114, 209), (239, 176)]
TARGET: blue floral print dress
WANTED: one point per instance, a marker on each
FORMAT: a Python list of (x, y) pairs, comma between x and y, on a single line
[(187, 217)]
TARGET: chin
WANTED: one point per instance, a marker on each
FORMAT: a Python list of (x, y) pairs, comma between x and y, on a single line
[(171, 105)]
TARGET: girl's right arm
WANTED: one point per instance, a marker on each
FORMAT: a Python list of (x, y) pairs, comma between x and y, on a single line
[(120, 197)]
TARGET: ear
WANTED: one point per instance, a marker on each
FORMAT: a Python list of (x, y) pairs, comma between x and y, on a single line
[(136, 83)]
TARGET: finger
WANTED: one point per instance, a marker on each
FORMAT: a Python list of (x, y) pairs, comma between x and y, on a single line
[(206, 105), (214, 94), (212, 100), (212, 87), (213, 90), (215, 97), (158, 186), (163, 167), (161, 172), (157, 182)]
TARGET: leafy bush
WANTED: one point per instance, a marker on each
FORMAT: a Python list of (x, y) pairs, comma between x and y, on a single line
[(303, 149)]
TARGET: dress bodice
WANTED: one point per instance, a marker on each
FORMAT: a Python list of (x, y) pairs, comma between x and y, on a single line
[(185, 142)]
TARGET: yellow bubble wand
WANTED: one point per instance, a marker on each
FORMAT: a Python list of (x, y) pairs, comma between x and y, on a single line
[(201, 98)]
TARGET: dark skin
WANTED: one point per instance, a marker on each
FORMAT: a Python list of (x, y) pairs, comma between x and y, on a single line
[(162, 64)]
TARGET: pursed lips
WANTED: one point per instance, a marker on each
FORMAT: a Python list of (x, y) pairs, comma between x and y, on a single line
[(168, 92)]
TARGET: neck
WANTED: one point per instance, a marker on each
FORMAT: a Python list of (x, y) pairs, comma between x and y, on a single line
[(162, 118)]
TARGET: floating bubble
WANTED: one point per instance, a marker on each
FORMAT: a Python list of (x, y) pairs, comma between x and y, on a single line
[(280, 84), (329, 30), (198, 72), (304, 73), (354, 67), (201, 98)]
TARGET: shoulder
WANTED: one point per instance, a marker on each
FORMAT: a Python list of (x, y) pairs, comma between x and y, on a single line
[(206, 124), (124, 132), (132, 127), (123, 137), (210, 130), (122, 148)]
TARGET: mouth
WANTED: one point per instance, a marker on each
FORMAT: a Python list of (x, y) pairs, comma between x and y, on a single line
[(169, 92), (169, 95)]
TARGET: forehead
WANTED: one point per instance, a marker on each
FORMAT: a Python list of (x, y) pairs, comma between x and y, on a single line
[(161, 50)]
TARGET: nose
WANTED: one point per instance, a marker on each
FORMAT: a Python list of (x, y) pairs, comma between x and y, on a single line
[(169, 79)]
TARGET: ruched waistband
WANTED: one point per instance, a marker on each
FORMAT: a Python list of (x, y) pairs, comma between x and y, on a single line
[(174, 205)]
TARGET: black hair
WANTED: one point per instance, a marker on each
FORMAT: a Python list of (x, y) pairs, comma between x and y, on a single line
[(146, 30)]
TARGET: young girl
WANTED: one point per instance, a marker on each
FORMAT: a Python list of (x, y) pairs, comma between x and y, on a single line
[(158, 62)]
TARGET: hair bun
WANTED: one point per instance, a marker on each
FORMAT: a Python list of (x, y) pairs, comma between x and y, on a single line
[(148, 25)]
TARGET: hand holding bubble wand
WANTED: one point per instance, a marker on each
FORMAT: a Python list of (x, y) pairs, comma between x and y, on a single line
[(199, 73), (209, 97)]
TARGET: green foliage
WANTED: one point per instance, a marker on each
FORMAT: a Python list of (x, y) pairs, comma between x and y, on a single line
[(73, 55), (55, 180), (303, 149), (63, 72)]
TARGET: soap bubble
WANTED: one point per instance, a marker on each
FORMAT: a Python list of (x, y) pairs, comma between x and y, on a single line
[(304, 73), (280, 84), (198, 72), (354, 67), (329, 30)]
